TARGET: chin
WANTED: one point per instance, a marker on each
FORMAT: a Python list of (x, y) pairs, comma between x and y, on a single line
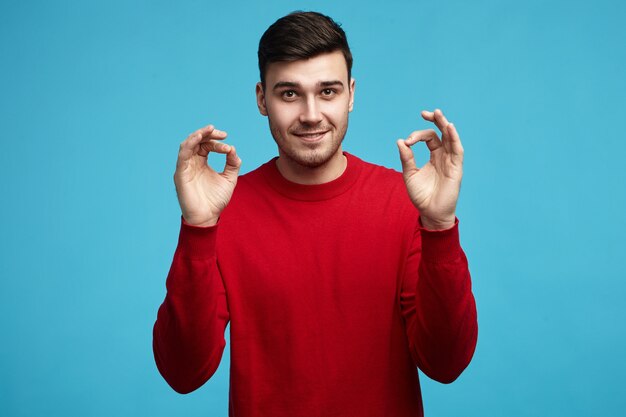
[(311, 158), (309, 155)]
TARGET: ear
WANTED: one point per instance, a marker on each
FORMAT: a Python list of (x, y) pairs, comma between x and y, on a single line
[(351, 102), (260, 99)]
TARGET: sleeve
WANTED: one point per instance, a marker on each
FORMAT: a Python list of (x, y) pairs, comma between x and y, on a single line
[(188, 336), (438, 305)]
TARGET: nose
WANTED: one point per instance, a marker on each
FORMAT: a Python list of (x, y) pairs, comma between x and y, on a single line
[(310, 113)]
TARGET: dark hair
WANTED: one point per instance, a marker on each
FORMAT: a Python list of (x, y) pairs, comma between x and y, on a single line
[(302, 35)]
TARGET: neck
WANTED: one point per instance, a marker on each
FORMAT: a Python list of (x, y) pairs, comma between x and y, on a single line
[(300, 174)]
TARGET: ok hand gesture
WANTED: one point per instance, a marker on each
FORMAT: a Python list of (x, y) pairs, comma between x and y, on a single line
[(434, 188), (202, 192)]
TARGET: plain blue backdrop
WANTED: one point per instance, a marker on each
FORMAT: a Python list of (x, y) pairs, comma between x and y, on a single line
[(95, 98)]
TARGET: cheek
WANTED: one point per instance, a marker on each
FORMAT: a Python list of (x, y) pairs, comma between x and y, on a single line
[(282, 115), (337, 112)]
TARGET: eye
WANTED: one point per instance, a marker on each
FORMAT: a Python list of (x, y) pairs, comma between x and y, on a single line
[(328, 92), (288, 94)]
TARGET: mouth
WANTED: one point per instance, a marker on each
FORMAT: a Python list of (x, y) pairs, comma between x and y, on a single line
[(311, 136)]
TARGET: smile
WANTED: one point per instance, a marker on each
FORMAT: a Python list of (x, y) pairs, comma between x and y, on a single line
[(311, 136)]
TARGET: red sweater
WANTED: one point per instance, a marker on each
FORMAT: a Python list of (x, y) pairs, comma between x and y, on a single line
[(334, 295)]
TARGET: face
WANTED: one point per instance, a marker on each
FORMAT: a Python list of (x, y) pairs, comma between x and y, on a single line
[(307, 103)]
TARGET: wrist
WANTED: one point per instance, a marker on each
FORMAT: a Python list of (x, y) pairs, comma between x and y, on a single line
[(439, 224), (206, 223)]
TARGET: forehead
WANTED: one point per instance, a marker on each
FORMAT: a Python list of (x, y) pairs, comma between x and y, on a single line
[(323, 67)]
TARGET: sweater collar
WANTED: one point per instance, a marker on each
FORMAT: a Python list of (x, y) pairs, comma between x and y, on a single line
[(315, 192)]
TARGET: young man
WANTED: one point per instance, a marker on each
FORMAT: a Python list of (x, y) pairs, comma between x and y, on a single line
[(337, 282)]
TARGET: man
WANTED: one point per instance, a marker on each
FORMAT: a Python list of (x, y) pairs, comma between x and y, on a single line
[(338, 284)]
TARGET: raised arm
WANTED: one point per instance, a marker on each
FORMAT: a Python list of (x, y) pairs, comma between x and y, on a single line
[(188, 337), (438, 305), (437, 299)]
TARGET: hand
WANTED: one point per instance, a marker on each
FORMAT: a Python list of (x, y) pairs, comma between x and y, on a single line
[(202, 192), (434, 188)]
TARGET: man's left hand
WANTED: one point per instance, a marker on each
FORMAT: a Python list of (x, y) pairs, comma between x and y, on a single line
[(434, 188)]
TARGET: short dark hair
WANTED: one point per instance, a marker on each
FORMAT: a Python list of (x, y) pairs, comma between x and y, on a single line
[(302, 35)]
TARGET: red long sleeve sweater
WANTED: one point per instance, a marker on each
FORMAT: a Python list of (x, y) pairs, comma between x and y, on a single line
[(334, 295)]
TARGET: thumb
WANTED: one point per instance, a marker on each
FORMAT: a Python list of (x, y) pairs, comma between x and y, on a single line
[(233, 164), (407, 158)]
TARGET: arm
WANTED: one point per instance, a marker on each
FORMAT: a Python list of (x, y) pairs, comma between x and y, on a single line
[(438, 305), (442, 326), (188, 338)]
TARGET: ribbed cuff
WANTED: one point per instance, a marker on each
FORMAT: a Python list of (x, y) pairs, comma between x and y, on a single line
[(195, 241), (441, 245)]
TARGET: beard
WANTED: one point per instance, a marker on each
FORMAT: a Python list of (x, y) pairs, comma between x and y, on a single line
[(309, 155)]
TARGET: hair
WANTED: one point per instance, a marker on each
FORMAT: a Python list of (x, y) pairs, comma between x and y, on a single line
[(302, 35)]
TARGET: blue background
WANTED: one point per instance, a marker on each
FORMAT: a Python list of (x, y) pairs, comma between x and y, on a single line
[(95, 98)]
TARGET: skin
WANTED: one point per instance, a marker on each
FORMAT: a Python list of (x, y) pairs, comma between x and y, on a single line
[(307, 103), (203, 192), (434, 188)]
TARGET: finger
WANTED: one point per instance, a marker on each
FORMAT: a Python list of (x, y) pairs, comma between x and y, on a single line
[(211, 132), (428, 115), (188, 147), (211, 145), (456, 147), (441, 121), (407, 158), (438, 118), (429, 136), (206, 133), (233, 163)]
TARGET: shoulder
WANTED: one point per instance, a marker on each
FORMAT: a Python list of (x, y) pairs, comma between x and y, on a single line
[(379, 185), (251, 189), (377, 176), (254, 180), (381, 192)]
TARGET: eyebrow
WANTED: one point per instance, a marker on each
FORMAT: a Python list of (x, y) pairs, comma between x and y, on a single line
[(291, 84), (331, 83), (282, 84)]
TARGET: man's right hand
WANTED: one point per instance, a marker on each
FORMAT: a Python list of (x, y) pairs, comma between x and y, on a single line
[(202, 192)]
